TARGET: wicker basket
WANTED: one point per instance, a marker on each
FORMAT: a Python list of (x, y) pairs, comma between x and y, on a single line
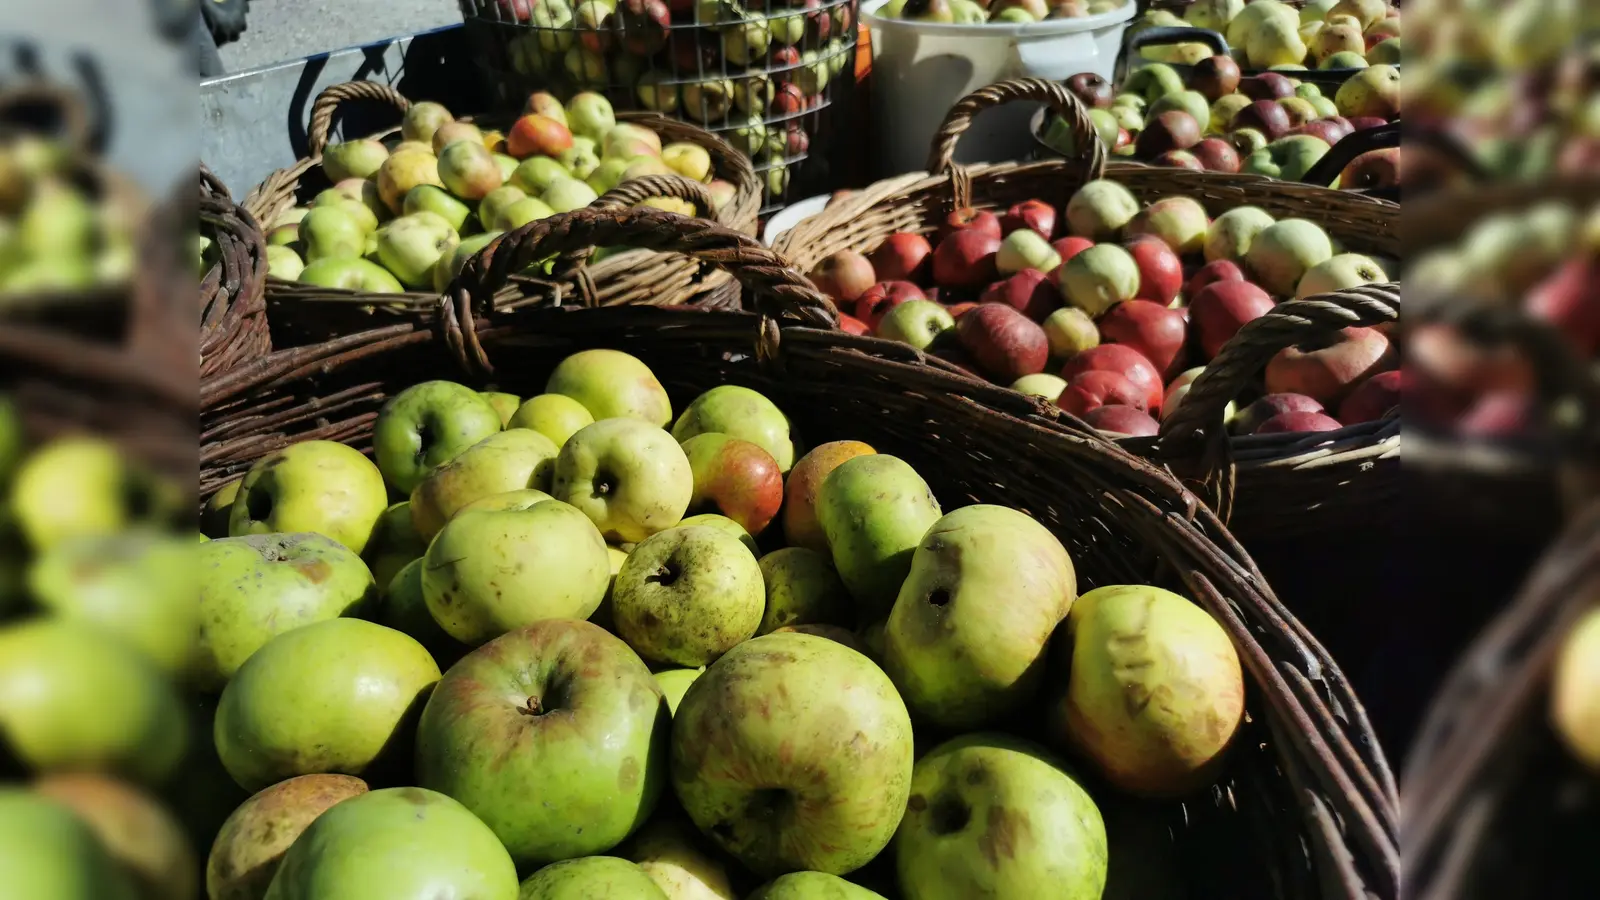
[(233, 307), (302, 314), (1306, 810), (1494, 805), (1282, 481)]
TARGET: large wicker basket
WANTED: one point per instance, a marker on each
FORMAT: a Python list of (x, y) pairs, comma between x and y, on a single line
[(1337, 479), (1494, 805), (1306, 808), (303, 314), (233, 307)]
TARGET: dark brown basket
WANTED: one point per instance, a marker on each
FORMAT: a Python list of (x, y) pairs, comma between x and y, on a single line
[(233, 306), (1285, 484), (1306, 809), (301, 314), (1494, 806)]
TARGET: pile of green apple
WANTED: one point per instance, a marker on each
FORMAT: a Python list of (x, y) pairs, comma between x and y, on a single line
[(55, 234), (409, 217), (1000, 12), (1220, 120), (1269, 34)]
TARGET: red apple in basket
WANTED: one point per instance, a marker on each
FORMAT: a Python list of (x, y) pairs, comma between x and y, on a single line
[(1088, 391), (1373, 399), (1499, 414), (1160, 269), (1122, 421), (1372, 170), (1004, 343), (1362, 123), (1179, 159), (851, 325), (1171, 130), (1296, 422), (1329, 368), (734, 478), (1215, 77), (645, 25), (1266, 116), (788, 100), (1210, 273), (844, 276), (969, 219), (1153, 329), (536, 134), (877, 300), (966, 259), (1028, 292), (1330, 130), (1220, 309), (515, 10), (1216, 155), (1264, 408), (1569, 299), (1125, 361), (1094, 91), (1266, 86), (903, 256), (1035, 214)]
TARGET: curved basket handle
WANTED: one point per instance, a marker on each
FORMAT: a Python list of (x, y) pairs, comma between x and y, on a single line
[(637, 190), (327, 103), (1345, 152), (778, 291), (1290, 322), (1091, 158), (1161, 36)]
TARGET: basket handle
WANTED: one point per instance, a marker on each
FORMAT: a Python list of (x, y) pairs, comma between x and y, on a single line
[(1091, 156), (634, 191), (327, 103), (1290, 322), (1343, 153), (776, 290), (1160, 36)]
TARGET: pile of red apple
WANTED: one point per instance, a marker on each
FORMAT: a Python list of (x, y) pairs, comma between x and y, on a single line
[(1111, 310)]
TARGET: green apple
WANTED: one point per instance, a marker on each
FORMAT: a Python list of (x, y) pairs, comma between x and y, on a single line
[(874, 510), (724, 524), (353, 159), (404, 608), (1153, 81), (612, 384), (1288, 158), (521, 212), (1179, 221), (1157, 720), (425, 426), (1230, 235), (580, 161), (411, 245), (1284, 251), (434, 199), (1192, 102), (47, 850), (568, 194), (1338, 272), (812, 886), (136, 827), (959, 661), (674, 683), (217, 509), (503, 461), (1025, 248), (1041, 384), (589, 877), (608, 174), (494, 204), (962, 789), (522, 499), (351, 275), (590, 114), (1276, 42), (1323, 107), (322, 486), (74, 698), (561, 711), (919, 322), (490, 571), (421, 120), (556, 416), (802, 589), (1098, 278), (1100, 209), (251, 843), (348, 196), (332, 697), (536, 173), (139, 586), (689, 159), (1573, 698), (78, 486), (793, 752), (59, 221), (504, 404), (630, 478), (450, 267), (687, 595), (1386, 52), (283, 262), (255, 587), (742, 413), (468, 170), (392, 843), (331, 232), (1212, 14), (673, 854)]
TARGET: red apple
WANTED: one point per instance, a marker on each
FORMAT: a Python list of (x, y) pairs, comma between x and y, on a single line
[(1093, 90), (851, 325), (1171, 130), (1220, 309), (876, 301), (903, 256), (1004, 343), (734, 478), (1122, 420), (1068, 247), (1499, 414), (1569, 299), (1327, 370), (1125, 361), (1266, 86), (1216, 155), (1088, 391), (844, 276), (1362, 123), (966, 258), (645, 25), (1373, 399), (1179, 159), (1296, 422), (1035, 214), (780, 58), (1028, 292), (1269, 406), (1215, 77), (788, 100), (1153, 329), (1330, 130), (1210, 273), (1160, 270), (536, 134), (1372, 170), (957, 310), (970, 219), (1266, 116)]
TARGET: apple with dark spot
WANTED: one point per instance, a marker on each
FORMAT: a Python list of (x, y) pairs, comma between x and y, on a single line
[(1004, 343), (1329, 368)]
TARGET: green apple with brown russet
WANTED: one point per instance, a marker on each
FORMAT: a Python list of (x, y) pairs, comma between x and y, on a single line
[(427, 425), (874, 510), (556, 416), (630, 478), (743, 413), (353, 159), (251, 843), (411, 245), (321, 486), (504, 461), (802, 589), (434, 199), (687, 595), (612, 384)]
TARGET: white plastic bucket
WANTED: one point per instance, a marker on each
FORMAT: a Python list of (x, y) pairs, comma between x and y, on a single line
[(920, 69)]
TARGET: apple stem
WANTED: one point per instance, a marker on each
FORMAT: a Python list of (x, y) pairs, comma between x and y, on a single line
[(531, 708)]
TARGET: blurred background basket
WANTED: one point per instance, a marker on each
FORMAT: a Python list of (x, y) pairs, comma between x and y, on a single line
[(774, 80), (233, 306)]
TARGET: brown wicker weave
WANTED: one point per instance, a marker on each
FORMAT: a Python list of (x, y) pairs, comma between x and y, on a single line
[(233, 307), (304, 314), (1286, 484), (1494, 806), (1307, 807)]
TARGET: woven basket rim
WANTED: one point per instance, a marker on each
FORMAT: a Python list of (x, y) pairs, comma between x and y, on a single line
[(233, 306)]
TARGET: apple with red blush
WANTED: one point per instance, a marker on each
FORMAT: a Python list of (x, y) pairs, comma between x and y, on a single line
[(1264, 408), (957, 310), (1328, 368), (1266, 86), (903, 256), (1298, 422), (1372, 170), (1088, 391), (1153, 329), (1179, 159), (1220, 309), (1569, 300), (1122, 421), (1373, 399), (876, 302), (1004, 343), (1499, 414), (1215, 77), (851, 325), (1330, 131), (1035, 214), (1125, 361), (1210, 273), (1028, 292), (1216, 155), (1266, 116), (966, 258), (1362, 123), (968, 218), (1092, 90), (844, 275), (1068, 247), (1160, 269), (1170, 130)]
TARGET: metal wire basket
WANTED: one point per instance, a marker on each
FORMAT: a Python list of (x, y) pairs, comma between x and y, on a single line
[(773, 77)]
